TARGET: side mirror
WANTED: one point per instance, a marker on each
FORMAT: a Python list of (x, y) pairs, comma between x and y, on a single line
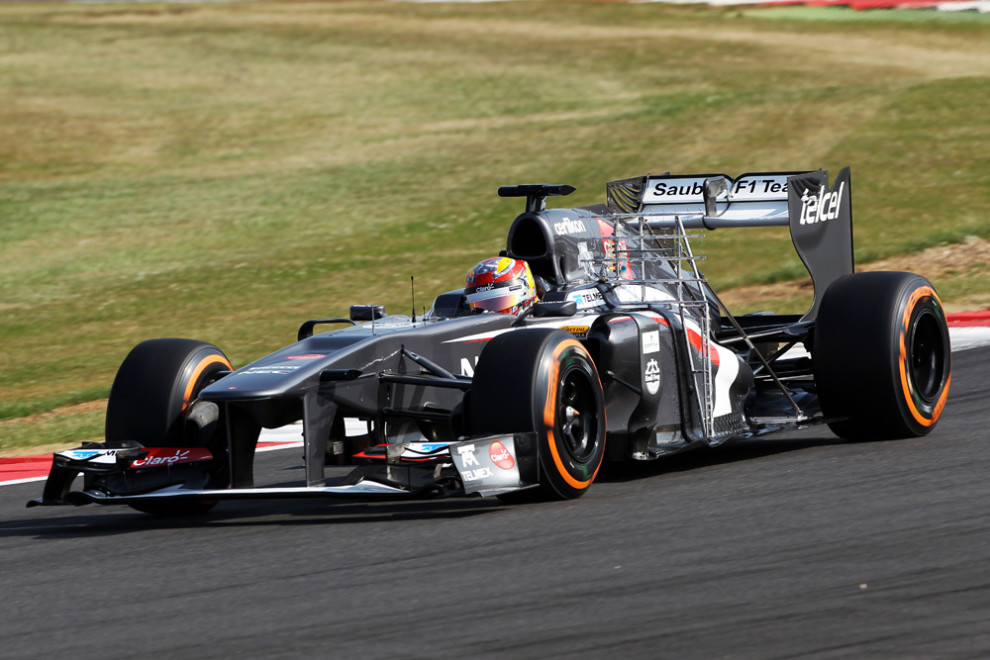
[(367, 312), (306, 329), (561, 308)]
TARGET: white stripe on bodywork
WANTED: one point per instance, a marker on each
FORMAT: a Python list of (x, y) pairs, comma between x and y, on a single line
[(726, 371), (725, 377)]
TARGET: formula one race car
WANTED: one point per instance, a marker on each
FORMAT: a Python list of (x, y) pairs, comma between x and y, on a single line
[(629, 355)]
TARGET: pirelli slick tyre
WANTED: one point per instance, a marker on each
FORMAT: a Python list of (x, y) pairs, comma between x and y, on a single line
[(881, 356), (150, 395), (543, 381)]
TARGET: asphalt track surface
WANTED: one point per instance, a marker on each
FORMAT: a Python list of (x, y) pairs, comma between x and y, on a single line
[(791, 546)]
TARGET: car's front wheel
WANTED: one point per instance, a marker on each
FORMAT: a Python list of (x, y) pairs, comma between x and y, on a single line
[(150, 398), (544, 381)]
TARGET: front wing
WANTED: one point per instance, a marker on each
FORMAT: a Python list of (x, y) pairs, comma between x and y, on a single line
[(483, 466)]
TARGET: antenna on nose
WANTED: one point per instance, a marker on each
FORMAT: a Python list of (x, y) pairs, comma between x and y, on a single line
[(412, 287)]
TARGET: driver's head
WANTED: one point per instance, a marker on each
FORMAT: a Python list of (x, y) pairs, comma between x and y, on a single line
[(500, 284)]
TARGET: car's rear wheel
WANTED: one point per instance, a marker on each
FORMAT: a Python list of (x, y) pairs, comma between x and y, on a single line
[(151, 395), (543, 381), (881, 356)]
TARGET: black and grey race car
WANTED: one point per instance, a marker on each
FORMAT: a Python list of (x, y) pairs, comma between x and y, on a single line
[(629, 355)]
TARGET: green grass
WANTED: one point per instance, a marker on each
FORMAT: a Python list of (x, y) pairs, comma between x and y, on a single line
[(55, 432), (225, 171)]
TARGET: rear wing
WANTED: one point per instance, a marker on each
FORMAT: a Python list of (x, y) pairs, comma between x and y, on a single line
[(819, 216)]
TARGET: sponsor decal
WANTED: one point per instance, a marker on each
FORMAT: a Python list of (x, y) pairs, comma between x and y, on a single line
[(587, 299), (277, 370), (417, 448), (585, 259), (651, 376), (501, 456), (614, 262), (759, 187), (614, 249), (568, 226), (79, 454), (487, 465), (579, 331), (413, 451), (171, 456), (466, 452), (308, 356), (691, 189), (476, 474), (651, 341), (821, 207), (679, 190), (467, 366), (100, 456), (478, 471)]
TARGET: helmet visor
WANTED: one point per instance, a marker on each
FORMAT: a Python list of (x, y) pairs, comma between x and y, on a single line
[(497, 300)]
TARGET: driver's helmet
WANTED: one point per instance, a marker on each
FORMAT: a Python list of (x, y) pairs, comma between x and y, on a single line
[(500, 284)]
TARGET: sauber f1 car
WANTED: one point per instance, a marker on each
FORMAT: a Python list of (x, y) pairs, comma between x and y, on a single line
[(629, 355)]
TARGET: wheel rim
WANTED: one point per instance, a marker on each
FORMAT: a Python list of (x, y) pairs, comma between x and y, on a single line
[(577, 409), (927, 357)]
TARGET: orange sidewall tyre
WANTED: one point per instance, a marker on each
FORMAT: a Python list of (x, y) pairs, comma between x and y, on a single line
[(546, 382), (881, 356)]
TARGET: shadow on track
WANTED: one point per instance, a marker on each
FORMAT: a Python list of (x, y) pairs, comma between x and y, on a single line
[(120, 519), (731, 452)]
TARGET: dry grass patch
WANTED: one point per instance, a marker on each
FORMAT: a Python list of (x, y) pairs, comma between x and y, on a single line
[(944, 265)]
